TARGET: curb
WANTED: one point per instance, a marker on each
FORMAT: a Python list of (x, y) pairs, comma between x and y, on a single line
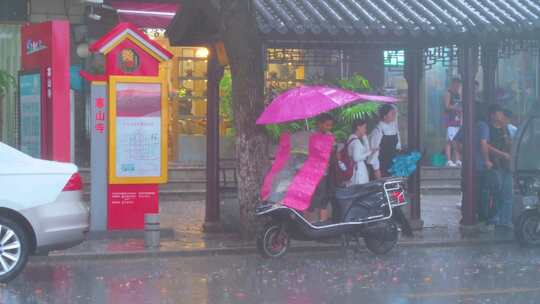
[(165, 233), (251, 250)]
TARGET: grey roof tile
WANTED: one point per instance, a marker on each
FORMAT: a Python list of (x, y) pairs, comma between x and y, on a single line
[(367, 18)]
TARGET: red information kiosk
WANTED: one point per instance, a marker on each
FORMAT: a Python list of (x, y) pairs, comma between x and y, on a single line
[(44, 105), (129, 132)]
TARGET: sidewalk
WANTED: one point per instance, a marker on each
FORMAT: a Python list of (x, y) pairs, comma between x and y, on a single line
[(440, 215)]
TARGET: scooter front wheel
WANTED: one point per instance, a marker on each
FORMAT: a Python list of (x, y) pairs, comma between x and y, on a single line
[(384, 240), (273, 240)]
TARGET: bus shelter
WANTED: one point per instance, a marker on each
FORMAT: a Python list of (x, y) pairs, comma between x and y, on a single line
[(472, 34)]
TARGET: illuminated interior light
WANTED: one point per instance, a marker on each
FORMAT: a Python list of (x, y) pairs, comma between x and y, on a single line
[(202, 53)]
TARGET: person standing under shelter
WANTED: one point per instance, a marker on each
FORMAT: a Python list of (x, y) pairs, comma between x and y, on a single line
[(500, 146), (359, 151), (453, 121), (483, 193), (385, 140), (508, 117)]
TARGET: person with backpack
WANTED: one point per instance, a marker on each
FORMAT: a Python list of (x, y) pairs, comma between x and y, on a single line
[(355, 154)]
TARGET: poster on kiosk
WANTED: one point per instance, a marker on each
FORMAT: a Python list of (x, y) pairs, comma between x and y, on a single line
[(130, 118)]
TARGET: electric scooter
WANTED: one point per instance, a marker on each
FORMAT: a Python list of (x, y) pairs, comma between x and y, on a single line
[(527, 224), (370, 211)]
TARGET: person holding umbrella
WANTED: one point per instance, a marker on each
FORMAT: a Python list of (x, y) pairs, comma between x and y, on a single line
[(292, 180), (324, 192)]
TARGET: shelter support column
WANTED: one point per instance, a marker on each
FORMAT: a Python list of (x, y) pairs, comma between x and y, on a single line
[(469, 54), (489, 69), (414, 73), (212, 213)]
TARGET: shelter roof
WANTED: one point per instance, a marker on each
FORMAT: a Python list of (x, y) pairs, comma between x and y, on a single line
[(393, 21)]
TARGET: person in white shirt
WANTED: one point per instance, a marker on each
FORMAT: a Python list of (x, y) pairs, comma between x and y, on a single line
[(385, 140), (359, 151)]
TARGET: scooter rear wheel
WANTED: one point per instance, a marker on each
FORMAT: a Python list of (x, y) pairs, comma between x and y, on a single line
[(383, 244), (273, 240)]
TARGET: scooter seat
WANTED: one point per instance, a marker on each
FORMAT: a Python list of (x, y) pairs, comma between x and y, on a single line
[(264, 207), (357, 191)]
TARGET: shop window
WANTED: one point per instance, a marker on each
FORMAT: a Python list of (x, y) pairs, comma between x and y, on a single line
[(285, 69), (394, 59), (192, 77), (517, 83)]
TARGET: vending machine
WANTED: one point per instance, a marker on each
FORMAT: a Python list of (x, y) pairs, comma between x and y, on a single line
[(44, 91)]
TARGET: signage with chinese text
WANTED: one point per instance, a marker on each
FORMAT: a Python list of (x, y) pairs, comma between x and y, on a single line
[(138, 135), (138, 130), (132, 115), (129, 203), (98, 161)]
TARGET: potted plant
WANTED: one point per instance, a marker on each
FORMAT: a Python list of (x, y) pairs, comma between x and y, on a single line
[(6, 82), (225, 106), (184, 105)]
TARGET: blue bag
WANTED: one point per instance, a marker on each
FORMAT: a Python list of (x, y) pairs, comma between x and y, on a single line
[(405, 165)]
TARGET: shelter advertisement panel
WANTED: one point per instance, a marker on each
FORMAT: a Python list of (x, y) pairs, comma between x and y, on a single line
[(138, 121), (30, 113), (137, 140)]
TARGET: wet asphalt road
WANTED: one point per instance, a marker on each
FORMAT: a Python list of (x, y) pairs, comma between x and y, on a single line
[(501, 274)]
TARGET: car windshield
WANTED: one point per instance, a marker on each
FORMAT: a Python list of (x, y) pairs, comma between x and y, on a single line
[(527, 156)]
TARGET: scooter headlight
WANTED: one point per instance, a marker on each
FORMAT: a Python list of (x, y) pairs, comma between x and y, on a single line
[(531, 202)]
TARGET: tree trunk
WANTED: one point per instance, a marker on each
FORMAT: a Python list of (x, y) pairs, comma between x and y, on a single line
[(239, 32)]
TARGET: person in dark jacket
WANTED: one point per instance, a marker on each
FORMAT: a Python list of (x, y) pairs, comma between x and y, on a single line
[(385, 141)]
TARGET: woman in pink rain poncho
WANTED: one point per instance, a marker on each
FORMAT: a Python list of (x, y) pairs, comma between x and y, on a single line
[(302, 177)]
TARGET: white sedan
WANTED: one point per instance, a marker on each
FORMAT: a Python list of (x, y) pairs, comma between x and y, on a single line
[(41, 208)]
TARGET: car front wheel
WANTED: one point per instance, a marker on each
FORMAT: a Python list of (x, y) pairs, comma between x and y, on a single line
[(14, 249)]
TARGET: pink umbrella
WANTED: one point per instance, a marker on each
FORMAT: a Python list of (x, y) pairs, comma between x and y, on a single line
[(309, 101)]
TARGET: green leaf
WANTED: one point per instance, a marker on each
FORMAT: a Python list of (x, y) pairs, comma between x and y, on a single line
[(359, 111), (225, 88), (7, 81), (356, 83), (341, 135)]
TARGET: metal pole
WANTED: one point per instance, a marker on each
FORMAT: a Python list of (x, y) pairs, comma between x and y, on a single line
[(215, 72), (468, 172), (414, 73), (537, 76)]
